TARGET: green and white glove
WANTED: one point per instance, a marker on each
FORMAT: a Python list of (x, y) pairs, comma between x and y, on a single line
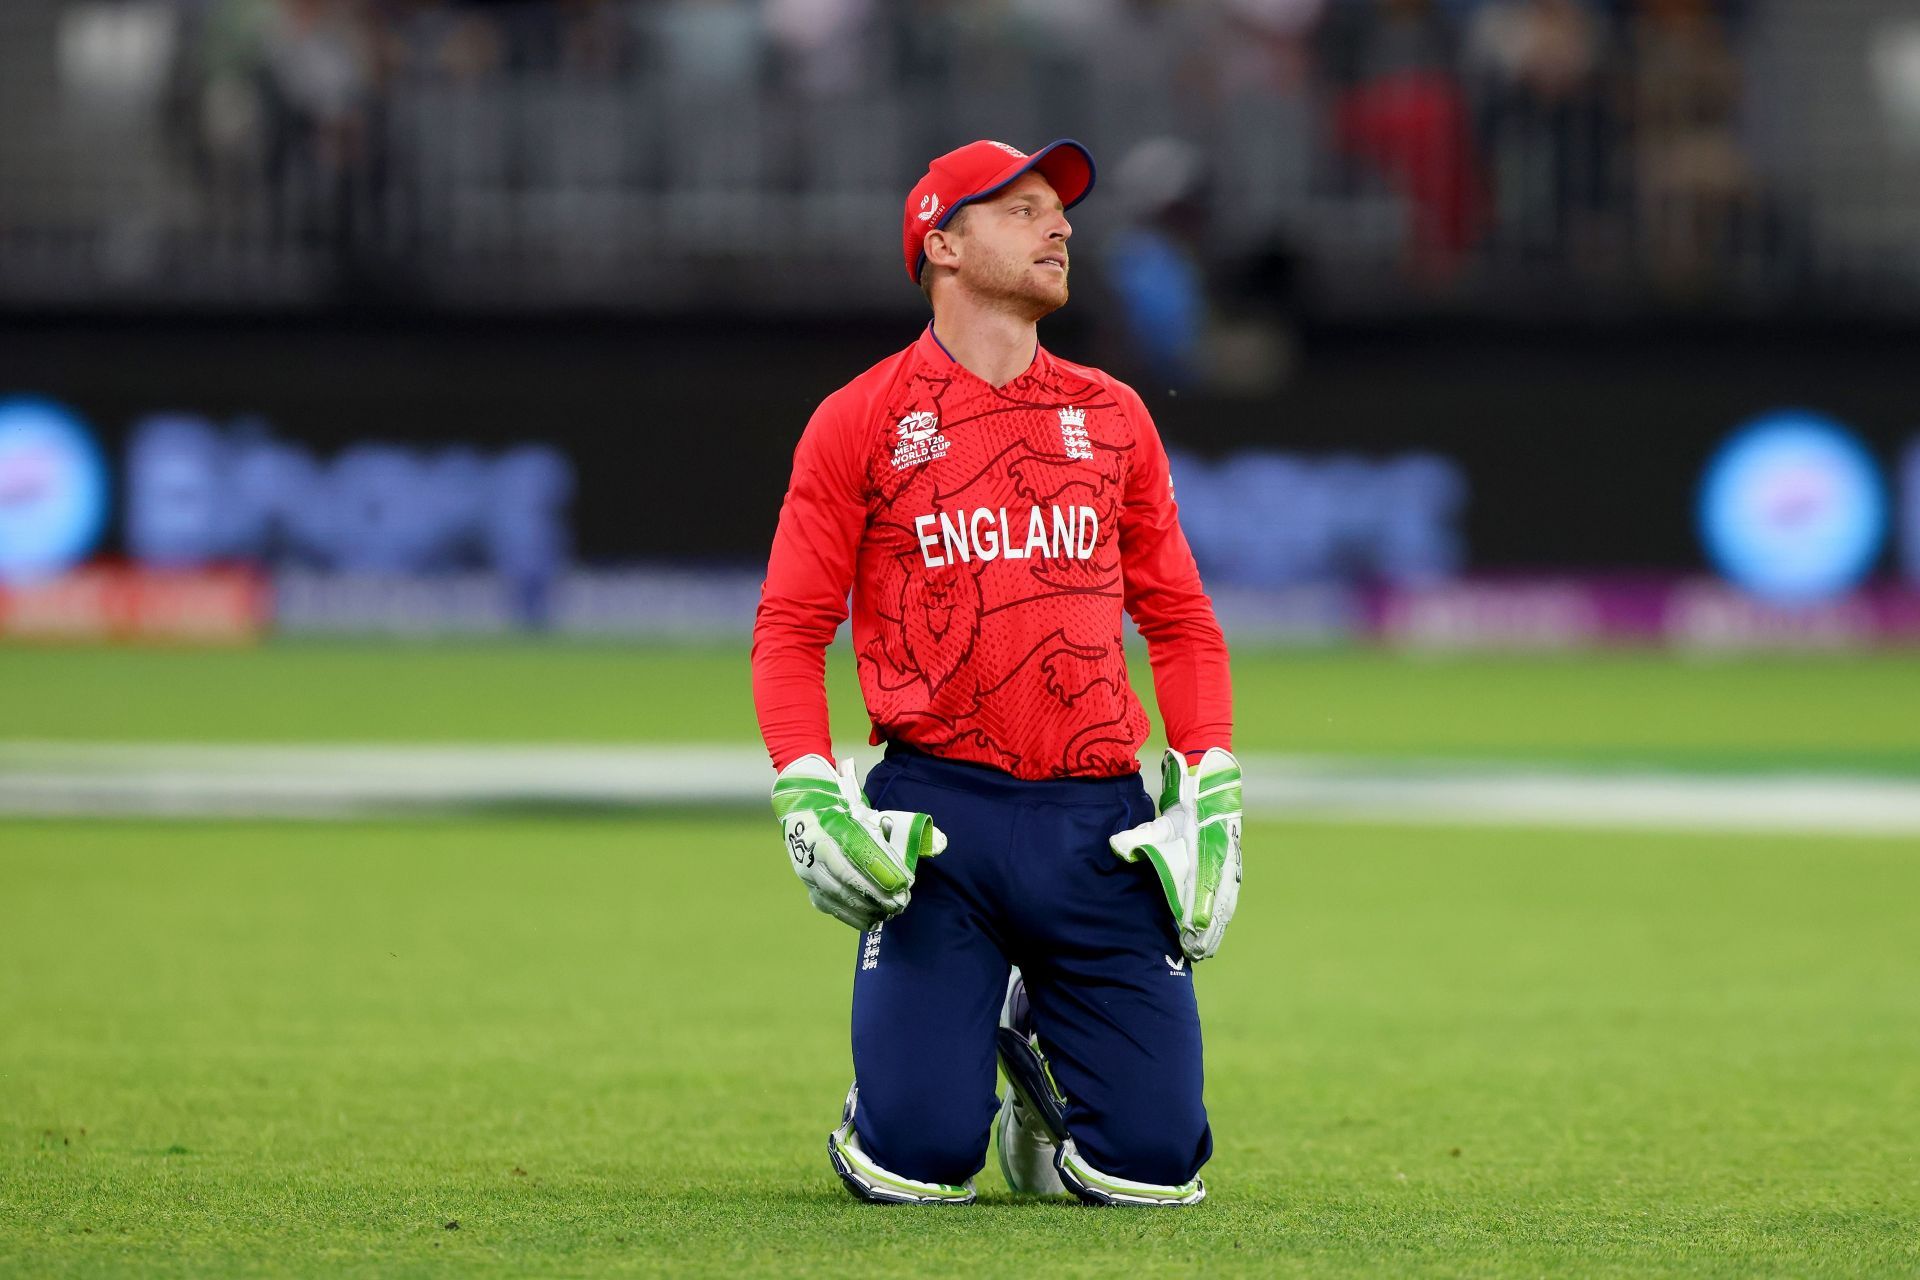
[(857, 862), (1194, 845)]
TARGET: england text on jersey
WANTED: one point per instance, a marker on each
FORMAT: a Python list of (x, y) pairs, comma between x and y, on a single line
[(1051, 533)]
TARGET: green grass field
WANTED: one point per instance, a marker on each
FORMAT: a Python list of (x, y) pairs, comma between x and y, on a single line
[(615, 1045), (308, 1048), (1849, 712)]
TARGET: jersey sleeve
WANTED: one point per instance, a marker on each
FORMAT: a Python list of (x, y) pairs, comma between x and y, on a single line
[(1163, 595), (803, 599)]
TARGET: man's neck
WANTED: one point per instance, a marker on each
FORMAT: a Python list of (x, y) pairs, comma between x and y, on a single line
[(989, 343)]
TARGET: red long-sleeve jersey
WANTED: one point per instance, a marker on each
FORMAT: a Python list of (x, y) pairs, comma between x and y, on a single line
[(990, 538)]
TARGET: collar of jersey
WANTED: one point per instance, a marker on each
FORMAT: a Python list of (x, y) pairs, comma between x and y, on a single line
[(933, 349)]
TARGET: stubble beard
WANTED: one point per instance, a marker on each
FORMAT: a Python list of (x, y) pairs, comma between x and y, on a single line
[(1011, 285)]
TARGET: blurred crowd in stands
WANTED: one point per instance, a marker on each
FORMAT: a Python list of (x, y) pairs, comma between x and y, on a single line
[(1611, 137), (1429, 93)]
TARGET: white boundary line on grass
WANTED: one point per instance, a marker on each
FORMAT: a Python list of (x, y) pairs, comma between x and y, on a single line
[(49, 779)]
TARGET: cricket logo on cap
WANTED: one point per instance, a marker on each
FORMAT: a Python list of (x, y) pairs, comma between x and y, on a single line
[(930, 207), (1015, 152)]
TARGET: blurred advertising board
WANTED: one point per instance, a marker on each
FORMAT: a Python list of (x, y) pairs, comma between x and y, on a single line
[(1793, 508), (53, 489), (1684, 613), (199, 492), (1266, 518), (1416, 486), (121, 603), (669, 603)]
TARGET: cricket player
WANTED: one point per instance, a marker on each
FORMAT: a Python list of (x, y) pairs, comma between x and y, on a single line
[(991, 509)]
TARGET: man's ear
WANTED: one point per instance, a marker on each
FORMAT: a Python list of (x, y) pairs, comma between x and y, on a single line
[(942, 248)]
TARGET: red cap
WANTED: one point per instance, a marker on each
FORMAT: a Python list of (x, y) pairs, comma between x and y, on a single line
[(979, 169)]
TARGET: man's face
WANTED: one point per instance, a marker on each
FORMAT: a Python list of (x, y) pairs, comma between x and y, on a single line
[(1014, 247)]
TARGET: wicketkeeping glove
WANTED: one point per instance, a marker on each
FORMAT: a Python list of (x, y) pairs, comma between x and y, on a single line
[(1194, 845), (857, 863)]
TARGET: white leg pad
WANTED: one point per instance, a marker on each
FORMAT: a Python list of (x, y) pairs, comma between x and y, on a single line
[(1100, 1188), (869, 1182)]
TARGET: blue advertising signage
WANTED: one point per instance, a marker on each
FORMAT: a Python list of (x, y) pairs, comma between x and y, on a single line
[(1793, 508), (53, 489), (1264, 518), (199, 493)]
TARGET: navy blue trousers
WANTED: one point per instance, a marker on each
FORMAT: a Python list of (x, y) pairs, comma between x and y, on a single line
[(1027, 879)]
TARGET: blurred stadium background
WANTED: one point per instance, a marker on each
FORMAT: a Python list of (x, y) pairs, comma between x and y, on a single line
[(339, 316), (396, 398)]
